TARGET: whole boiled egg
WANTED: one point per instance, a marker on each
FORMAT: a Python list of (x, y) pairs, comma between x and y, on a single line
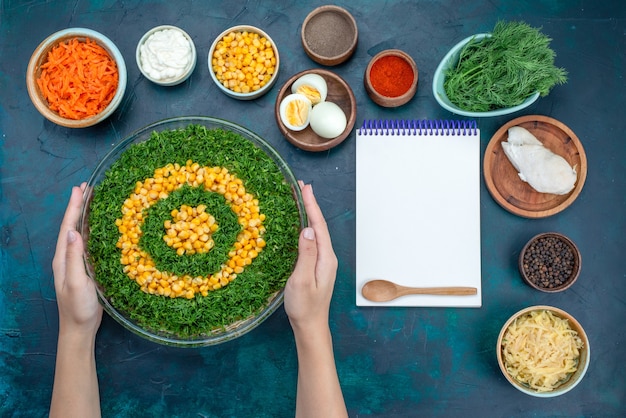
[(313, 86), (327, 120), (295, 111)]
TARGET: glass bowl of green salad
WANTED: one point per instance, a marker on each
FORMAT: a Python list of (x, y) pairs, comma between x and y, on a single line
[(497, 73), (191, 227)]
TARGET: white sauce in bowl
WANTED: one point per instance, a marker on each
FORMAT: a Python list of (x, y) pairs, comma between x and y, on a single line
[(166, 55)]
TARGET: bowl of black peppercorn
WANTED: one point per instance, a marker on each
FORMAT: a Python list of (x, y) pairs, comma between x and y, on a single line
[(550, 262)]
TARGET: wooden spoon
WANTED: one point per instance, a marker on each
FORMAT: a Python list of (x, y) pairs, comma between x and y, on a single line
[(384, 291)]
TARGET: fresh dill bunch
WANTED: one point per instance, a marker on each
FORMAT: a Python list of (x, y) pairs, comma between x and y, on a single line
[(504, 69)]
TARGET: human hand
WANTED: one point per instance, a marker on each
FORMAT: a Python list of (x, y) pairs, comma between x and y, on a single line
[(310, 288), (80, 312), (307, 300), (75, 391)]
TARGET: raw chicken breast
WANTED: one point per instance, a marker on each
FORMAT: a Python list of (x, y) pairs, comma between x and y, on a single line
[(545, 171)]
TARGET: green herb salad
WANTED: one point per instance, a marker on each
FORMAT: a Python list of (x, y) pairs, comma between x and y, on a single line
[(257, 282)]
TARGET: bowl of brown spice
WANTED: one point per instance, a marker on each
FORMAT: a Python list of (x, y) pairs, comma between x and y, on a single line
[(329, 35), (391, 78), (550, 262)]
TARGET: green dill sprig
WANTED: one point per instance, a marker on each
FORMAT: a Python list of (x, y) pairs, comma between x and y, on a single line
[(504, 69)]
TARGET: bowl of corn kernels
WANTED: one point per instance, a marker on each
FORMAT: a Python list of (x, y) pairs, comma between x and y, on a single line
[(243, 62)]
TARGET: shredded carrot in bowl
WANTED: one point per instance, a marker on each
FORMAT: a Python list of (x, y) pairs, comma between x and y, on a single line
[(78, 79)]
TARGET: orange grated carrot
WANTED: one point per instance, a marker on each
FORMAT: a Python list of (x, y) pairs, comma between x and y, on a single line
[(78, 79)]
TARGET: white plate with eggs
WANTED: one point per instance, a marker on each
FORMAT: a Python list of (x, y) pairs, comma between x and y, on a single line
[(315, 110)]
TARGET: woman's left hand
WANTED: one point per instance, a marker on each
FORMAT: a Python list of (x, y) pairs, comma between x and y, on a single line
[(79, 309)]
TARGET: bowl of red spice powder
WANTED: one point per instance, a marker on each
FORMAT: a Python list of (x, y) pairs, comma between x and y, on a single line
[(391, 78)]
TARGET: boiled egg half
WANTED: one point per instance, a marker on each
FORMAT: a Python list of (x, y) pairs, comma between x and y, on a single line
[(295, 111), (313, 86)]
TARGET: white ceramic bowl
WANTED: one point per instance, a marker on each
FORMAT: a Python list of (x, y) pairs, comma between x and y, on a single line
[(39, 57), (451, 59), (171, 81), (254, 94), (573, 379)]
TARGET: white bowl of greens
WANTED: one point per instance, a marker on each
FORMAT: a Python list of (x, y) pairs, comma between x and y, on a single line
[(498, 73)]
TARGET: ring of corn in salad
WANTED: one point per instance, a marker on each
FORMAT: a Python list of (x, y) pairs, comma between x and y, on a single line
[(188, 237)]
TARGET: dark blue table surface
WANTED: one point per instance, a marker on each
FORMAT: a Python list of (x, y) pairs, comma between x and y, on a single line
[(391, 362)]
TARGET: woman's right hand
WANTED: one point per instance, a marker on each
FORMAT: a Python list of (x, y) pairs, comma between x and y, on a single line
[(307, 300), (310, 288)]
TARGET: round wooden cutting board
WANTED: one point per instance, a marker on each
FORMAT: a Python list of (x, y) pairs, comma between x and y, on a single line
[(519, 197)]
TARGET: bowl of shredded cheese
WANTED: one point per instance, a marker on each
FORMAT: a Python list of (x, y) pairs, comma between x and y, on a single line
[(243, 62), (543, 351), (76, 77)]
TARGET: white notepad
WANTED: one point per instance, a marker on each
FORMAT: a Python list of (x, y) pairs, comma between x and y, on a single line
[(418, 208)]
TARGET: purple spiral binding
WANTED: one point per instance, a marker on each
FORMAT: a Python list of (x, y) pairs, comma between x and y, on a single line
[(418, 127)]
